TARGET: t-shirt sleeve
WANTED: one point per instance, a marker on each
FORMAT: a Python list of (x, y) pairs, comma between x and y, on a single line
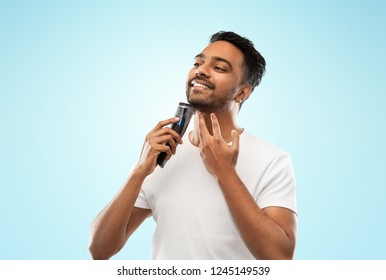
[(141, 201), (278, 184)]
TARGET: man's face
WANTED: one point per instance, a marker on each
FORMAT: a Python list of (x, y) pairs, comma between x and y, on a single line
[(216, 77)]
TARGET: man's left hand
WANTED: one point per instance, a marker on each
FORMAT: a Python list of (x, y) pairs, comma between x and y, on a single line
[(218, 156)]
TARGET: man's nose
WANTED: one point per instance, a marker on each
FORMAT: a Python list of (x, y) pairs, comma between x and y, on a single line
[(202, 70)]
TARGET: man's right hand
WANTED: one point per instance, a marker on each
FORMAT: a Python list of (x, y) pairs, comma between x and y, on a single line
[(155, 144)]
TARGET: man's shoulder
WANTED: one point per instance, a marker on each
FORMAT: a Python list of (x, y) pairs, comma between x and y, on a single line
[(252, 144)]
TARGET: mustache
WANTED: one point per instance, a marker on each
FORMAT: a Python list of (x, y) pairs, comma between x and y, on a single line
[(204, 80)]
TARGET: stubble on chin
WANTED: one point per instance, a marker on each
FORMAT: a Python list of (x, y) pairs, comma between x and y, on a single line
[(201, 104), (208, 105)]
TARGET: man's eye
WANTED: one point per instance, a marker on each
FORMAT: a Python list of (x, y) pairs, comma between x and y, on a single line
[(218, 68), (196, 64)]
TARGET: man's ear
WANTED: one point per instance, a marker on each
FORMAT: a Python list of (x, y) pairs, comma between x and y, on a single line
[(243, 94)]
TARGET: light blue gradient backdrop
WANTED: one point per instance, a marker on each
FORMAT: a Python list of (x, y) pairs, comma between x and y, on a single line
[(82, 82)]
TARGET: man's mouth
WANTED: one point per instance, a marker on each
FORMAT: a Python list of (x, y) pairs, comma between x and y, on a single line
[(201, 84)]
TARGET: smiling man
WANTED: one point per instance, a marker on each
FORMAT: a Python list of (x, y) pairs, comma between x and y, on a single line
[(224, 193)]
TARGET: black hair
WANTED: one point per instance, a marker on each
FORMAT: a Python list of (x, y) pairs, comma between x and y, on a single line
[(254, 62)]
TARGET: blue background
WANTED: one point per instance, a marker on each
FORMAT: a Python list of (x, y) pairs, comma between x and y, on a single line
[(82, 82)]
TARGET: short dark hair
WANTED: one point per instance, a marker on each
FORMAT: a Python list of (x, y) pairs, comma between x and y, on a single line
[(254, 62)]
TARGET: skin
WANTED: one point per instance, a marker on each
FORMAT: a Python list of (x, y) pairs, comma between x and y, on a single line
[(215, 86)]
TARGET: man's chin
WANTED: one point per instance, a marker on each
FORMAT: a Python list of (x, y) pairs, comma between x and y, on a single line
[(201, 106), (200, 103)]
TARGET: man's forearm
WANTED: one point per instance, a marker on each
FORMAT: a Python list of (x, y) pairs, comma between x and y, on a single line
[(108, 232), (262, 235)]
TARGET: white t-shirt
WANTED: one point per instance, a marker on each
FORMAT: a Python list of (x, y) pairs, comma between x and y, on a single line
[(192, 218)]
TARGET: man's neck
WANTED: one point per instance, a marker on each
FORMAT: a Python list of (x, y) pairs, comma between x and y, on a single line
[(227, 123)]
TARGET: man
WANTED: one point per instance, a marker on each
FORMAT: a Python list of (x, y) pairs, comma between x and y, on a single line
[(224, 194)]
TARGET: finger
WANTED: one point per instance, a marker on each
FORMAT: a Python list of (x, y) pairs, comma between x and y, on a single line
[(161, 124), (201, 139), (215, 126), (203, 130), (173, 133), (166, 139), (172, 144), (167, 131), (235, 139), (166, 149), (202, 125)]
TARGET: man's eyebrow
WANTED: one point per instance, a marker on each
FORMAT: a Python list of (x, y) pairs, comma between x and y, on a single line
[(200, 55), (215, 58)]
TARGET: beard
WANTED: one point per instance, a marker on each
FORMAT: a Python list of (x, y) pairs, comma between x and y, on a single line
[(207, 103)]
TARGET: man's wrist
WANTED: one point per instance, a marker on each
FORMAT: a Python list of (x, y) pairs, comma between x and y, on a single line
[(139, 172), (225, 174)]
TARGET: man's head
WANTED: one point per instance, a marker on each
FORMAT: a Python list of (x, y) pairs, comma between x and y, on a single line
[(254, 62), (224, 73)]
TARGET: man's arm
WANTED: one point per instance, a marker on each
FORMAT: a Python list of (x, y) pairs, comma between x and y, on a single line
[(269, 233), (119, 219), (109, 229)]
